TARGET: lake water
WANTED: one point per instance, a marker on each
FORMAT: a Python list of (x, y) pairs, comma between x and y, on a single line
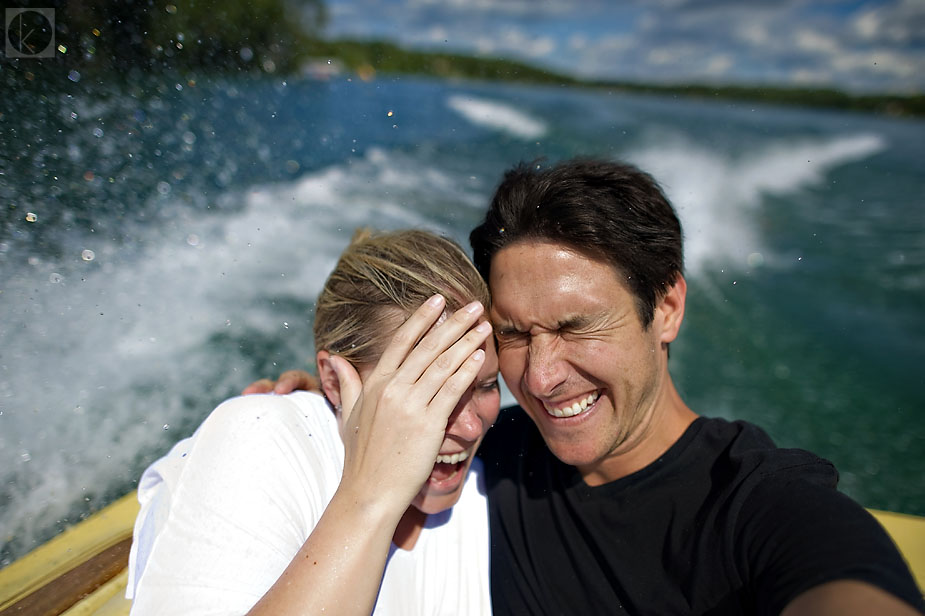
[(161, 245)]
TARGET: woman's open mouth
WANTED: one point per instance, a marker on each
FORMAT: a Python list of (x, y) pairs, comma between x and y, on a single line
[(447, 467)]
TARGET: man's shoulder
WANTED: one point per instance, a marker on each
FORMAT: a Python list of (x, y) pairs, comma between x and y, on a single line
[(749, 448)]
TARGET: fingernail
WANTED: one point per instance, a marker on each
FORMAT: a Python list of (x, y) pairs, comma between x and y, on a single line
[(435, 301), (484, 327), (478, 355), (473, 307)]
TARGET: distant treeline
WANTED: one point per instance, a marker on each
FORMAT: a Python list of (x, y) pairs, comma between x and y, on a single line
[(115, 37), (363, 56)]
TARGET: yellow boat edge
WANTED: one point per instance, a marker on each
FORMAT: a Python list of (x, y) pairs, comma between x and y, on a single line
[(114, 523)]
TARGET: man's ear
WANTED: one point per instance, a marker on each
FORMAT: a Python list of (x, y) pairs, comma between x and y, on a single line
[(669, 311), (330, 384)]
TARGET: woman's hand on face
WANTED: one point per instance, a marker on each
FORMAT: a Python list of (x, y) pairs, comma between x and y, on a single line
[(395, 421)]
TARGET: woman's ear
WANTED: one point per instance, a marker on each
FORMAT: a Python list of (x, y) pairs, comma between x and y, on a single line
[(330, 383)]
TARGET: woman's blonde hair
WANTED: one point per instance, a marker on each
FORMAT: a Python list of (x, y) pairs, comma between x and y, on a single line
[(380, 279)]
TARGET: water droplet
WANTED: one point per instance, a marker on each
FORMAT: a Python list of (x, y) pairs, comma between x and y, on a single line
[(189, 138), (55, 278), (163, 188), (30, 217), (285, 325), (192, 239), (87, 255), (172, 9), (246, 54), (63, 49), (74, 76), (98, 132), (25, 456), (167, 426)]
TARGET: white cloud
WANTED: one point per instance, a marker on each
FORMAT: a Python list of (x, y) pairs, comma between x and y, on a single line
[(524, 44), (719, 65), (867, 24), (881, 61), (578, 42), (753, 33), (436, 34), (814, 41)]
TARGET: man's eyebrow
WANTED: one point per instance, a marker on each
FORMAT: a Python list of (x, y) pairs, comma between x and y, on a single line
[(581, 321)]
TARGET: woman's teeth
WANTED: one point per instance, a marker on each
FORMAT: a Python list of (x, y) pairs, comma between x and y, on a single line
[(574, 409), (452, 458)]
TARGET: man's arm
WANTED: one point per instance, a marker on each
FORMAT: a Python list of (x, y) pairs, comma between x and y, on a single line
[(846, 598), (814, 550)]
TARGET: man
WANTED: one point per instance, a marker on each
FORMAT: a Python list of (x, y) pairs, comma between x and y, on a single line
[(617, 498), (634, 504)]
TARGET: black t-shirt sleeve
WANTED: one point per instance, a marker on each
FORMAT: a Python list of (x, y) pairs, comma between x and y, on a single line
[(795, 533)]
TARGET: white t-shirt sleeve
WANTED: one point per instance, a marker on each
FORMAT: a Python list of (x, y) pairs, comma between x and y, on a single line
[(226, 510)]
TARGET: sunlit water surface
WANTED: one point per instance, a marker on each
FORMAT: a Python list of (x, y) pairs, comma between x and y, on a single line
[(161, 247)]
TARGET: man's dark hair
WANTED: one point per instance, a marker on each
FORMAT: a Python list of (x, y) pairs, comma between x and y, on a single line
[(610, 211)]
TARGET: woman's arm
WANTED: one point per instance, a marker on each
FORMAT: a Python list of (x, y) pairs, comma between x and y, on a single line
[(393, 428)]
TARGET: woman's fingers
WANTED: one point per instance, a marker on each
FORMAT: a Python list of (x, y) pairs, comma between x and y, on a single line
[(409, 333), (350, 384), (432, 349), (454, 387), (450, 363)]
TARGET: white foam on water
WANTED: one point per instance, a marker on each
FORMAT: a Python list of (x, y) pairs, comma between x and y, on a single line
[(717, 195), (497, 116), (97, 360)]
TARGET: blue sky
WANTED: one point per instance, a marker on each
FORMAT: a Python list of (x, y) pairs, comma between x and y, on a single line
[(860, 46)]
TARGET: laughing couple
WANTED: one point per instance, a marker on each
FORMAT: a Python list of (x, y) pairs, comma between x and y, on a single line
[(603, 493)]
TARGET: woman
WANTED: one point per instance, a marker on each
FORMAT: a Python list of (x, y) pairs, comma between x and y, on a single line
[(276, 506)]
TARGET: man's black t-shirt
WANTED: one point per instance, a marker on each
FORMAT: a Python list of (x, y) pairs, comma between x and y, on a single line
[(723, 523)]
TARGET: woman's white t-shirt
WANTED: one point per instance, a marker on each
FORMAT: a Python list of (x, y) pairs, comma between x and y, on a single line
[(223, 514)]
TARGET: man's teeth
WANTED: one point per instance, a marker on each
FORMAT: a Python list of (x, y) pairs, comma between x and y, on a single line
[(576, 408), (452, 458)]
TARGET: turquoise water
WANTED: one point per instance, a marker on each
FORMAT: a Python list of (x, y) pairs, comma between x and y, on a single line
[(161, 244)]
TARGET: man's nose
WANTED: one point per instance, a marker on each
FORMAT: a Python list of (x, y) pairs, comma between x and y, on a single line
[(545, 369)]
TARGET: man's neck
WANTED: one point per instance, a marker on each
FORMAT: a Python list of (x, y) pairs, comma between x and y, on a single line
[(669, 421)]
